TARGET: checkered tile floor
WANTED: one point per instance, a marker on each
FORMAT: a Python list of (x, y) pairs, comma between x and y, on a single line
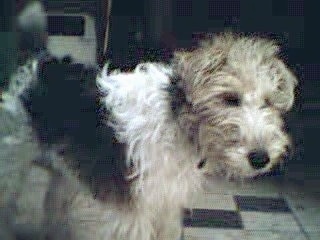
[(250, 214)]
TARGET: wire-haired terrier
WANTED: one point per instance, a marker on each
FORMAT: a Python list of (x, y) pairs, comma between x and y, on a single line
[(215, 109)]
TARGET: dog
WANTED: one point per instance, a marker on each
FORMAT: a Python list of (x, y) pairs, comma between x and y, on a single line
[(122, 158), (128, 173)]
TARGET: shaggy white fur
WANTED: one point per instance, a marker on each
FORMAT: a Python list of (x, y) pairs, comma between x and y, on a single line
[(164, 175), (19, 82)]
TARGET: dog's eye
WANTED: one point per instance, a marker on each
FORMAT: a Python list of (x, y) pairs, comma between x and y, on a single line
[(202, 163), (231, 99), (267, 103)]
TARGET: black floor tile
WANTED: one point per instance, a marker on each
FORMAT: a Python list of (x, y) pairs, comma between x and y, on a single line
[(212, 219), (261, 204)]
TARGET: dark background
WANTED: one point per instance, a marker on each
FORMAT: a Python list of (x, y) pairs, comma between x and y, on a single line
[(151, 29)]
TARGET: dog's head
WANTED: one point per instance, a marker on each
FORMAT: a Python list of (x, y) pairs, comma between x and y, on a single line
[(235, 90)]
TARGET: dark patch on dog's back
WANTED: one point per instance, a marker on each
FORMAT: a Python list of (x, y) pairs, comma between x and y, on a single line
[(64, 112)]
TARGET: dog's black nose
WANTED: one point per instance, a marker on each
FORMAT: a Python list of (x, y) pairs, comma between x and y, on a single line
[(258, 158)]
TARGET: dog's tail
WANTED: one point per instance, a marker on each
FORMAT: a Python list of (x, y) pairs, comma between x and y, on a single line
[(32, 30), (33, 17), (31, 27)]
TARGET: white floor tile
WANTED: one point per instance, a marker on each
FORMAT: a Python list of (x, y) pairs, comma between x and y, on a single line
[(314, 235), (269, 221), (208, 234), (221, 234), (255, 188), (305, 206), (214, 201)]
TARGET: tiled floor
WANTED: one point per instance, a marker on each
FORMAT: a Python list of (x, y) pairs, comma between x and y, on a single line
[(265, 209)]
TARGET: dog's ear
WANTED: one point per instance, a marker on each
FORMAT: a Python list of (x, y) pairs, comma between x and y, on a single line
[(285, 83)]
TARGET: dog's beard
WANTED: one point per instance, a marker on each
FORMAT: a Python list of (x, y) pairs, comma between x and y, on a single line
[(227, 142)]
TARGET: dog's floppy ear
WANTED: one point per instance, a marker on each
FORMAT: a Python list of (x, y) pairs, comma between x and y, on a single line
[(285, 83)]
